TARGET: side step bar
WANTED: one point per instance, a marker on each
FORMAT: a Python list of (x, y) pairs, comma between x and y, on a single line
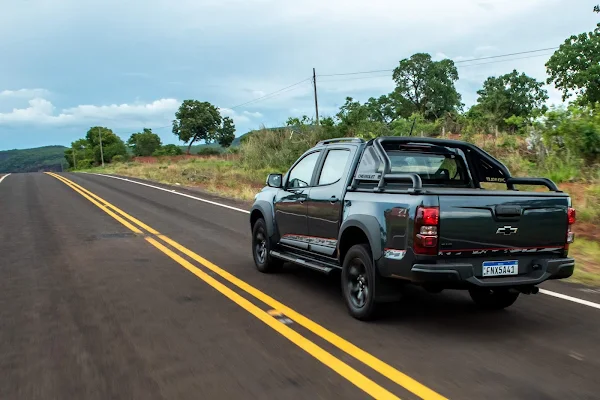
[(300, 261)]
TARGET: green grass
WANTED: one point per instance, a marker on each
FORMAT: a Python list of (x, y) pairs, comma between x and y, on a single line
[(213, 174), (589, 210), (587, 262)]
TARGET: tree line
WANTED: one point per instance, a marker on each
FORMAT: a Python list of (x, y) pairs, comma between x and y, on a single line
[(194, 121)]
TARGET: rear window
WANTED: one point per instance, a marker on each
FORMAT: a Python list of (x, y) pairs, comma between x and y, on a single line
[(437, 168)]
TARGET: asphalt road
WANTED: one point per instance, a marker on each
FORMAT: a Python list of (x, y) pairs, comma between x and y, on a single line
[(89, 309)]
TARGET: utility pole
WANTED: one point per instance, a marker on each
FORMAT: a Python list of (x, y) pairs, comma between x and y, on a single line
[(74, 162), (316, 103), (101, 151)]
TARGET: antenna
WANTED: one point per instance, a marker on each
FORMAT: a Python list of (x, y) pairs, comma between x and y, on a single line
[(413, 126)]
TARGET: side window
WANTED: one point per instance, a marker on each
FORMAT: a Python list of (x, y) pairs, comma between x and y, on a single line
[(334, 166), (301, 174)]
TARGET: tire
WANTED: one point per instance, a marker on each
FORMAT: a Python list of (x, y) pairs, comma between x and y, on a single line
[(493, 299), (261, 248), (358, 283)]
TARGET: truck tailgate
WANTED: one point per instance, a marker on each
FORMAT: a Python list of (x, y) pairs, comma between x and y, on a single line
[(484, 224)]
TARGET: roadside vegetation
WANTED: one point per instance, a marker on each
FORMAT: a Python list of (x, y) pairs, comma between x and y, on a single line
[(510, 120)]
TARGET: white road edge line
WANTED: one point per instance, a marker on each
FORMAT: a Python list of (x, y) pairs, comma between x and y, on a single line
[(544, 291), (4, 177), (174, 192), (569, 298)]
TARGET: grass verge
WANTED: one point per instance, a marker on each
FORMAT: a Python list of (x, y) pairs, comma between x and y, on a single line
[(587, 262), (213, 174)]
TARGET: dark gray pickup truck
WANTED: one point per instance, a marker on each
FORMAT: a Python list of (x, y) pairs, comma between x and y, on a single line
[(397, 210)]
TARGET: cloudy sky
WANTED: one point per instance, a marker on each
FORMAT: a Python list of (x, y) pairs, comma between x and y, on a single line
[(67, 65)]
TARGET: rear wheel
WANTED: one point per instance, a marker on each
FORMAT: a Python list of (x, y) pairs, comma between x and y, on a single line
[(261, 248), (493, 299), (358, 282)]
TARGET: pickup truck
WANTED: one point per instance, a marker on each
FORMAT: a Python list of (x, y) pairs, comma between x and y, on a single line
[(398, 210)]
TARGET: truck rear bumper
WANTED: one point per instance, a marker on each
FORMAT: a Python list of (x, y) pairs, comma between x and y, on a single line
[(455, 274)]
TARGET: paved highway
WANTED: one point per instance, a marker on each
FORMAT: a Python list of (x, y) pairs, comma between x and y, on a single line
[(116, 290)]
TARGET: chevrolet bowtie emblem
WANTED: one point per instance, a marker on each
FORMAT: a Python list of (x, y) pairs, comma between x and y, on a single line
[(506, 230)]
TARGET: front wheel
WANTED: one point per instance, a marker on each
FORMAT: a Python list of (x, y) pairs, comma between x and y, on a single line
[(358, 282), (261, 247), (493, 299)]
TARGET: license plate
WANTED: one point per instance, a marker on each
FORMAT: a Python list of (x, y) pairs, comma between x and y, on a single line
[(500, 268)]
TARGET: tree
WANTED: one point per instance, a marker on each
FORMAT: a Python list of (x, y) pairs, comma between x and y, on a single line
[(168, 150), (83, 151), (597, 9), (304, 120), (112, 145), (195, 121), (575, 67), (388, 108), (512, 95), (577, 130), (352, 113), (226, 133), (144, 143), (427, 86)]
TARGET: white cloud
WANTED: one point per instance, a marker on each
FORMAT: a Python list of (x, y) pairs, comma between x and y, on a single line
[(255, 114), (24, 93), (43, 112), (237, 117)]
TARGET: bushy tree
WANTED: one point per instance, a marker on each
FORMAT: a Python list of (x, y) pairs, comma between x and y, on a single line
[(512, 95), (226, 133), (168, 150), (82, 150), (144, 143), (111, 143), (575, 130), (197, 121), (575, 67), (427, 85)]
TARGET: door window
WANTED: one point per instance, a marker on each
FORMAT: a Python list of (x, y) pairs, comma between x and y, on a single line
[(301, 174), (334, 166)]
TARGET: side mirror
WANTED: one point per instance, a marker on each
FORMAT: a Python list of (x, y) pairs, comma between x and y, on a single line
[(274, 180)]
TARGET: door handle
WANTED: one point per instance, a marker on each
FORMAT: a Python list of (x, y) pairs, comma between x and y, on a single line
[(333, 200)]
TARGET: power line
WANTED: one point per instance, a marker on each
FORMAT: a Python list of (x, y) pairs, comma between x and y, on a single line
[(456, 62), (460, 66), (268, 95), (357, 78), (510, 59), (506, 55)]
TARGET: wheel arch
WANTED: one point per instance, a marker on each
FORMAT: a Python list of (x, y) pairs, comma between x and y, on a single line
[(262, 209), (360, 229)]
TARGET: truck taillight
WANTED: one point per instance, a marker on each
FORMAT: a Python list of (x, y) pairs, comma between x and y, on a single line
[(571, 218), (426, 228), (571, 214)]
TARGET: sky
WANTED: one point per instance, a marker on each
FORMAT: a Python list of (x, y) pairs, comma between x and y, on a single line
[(67, 65)]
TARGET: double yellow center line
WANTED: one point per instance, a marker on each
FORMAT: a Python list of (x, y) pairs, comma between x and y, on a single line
[(342, 368)]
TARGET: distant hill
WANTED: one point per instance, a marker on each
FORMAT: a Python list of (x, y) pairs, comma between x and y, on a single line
[(48, 158)]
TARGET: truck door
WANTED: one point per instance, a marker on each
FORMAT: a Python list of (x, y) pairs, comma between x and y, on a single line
[(290, 202), (325, 200)]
